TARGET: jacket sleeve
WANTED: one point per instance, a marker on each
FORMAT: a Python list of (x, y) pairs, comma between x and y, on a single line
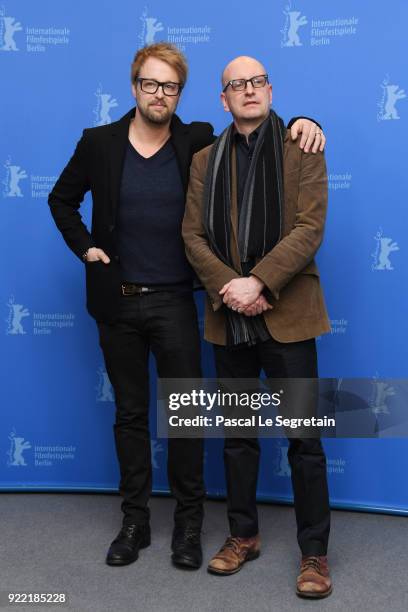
[(212, 272), (66, 197), (298, 248), (294, 119), (203, 135)]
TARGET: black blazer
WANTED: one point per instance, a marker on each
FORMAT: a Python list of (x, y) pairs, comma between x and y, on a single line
[(96, 165)]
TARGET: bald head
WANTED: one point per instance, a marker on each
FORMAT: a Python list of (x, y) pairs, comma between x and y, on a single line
[(249, 102), (242, 67)]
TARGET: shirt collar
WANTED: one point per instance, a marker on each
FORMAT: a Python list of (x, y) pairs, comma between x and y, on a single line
[(253, 136), (242, 138)]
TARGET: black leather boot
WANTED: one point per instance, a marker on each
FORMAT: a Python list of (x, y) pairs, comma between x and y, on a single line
[(186, 547), (125, 547)]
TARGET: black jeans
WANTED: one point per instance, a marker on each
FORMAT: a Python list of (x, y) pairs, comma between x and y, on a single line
[(165, 323), (306, 456)]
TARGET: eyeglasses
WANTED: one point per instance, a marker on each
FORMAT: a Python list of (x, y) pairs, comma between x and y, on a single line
[(241, 84), (151, 86)]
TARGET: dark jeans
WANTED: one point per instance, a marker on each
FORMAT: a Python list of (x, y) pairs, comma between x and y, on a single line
[(165, 323), (306, 456)]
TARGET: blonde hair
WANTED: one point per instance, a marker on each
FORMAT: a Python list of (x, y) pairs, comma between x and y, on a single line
[(165, 52)]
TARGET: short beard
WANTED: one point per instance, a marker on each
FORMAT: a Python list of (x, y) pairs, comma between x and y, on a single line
[(153, 117)]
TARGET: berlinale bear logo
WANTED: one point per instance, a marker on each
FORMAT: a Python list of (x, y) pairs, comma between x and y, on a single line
[(391, 94), (17, 312), (385, 246), (293, 21), (8, 27), (14, 174), (17, 446), (151, 26), (103, 105)]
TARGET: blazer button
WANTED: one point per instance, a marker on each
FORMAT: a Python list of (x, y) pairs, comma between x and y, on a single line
[(116, 257), (111, 228)]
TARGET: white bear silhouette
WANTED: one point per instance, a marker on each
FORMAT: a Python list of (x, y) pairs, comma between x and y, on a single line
[(387, 247), (106, 391), (393, 95), (382, 392), (19, 312), (295, 22), (152, 27), (11, 26), (16, 174), (283, 462), (19, 446), (107, 102)]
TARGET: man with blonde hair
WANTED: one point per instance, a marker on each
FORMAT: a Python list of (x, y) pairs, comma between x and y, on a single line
[(140, 284)]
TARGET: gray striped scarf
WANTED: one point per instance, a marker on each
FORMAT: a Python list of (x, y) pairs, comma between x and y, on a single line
[(260, 213)]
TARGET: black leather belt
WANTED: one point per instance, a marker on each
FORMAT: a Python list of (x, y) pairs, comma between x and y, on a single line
[(133, 289)]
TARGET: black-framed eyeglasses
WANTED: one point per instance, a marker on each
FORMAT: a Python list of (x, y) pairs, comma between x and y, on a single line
[(151, 86), (240, 84)]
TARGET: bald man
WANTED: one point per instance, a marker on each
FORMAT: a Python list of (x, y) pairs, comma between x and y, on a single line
[(253, 247)]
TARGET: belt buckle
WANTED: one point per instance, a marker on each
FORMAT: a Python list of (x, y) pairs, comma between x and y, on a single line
[(128, 289), (132, 289)]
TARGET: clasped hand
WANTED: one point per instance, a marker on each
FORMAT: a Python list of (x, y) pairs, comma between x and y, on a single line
[(244, 295)]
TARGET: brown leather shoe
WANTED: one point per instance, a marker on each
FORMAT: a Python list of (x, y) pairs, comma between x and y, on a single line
[(233, 554), (314, 578)]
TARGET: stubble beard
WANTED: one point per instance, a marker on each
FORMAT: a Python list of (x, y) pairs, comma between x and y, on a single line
[(155, 116)]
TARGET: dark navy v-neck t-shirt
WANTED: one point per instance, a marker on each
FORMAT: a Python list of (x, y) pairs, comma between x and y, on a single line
[(151, 209)]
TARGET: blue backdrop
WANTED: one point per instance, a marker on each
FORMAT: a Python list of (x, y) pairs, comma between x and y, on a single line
[(65, 66)]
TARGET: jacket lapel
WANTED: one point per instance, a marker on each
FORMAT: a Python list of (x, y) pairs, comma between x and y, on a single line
[(119, 140), (181, 142), (118, 145)]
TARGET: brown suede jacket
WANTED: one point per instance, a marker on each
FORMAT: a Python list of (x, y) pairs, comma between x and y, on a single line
[(290, 274)]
